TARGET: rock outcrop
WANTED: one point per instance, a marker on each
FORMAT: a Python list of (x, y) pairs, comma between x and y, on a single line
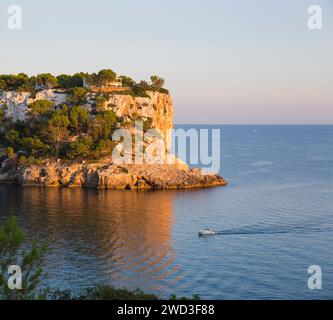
[(17, 103), (156, 108), (104, 175)]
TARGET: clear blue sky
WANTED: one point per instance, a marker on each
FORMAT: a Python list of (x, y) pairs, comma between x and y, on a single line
[(225, 61)]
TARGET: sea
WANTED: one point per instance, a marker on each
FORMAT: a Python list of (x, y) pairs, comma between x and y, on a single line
[(273, 223)]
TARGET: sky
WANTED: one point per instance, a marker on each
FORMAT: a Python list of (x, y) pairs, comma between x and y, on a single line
[(224, 61)]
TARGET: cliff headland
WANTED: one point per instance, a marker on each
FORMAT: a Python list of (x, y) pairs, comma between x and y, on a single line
[(75, 131)]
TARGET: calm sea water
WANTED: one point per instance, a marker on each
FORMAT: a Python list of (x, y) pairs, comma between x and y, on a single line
[(274, 220)]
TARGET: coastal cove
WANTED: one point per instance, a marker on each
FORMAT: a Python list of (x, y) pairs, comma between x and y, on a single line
[(274, 219), (166, 157)]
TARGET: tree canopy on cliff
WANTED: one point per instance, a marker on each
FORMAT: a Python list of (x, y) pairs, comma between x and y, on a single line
[(24, 83), (105, 76), (69, 130)]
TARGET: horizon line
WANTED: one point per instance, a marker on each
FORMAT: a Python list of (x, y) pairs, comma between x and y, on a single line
[(255, 124)]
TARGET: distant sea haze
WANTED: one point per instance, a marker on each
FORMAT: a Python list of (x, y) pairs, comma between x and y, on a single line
[(273, 221)]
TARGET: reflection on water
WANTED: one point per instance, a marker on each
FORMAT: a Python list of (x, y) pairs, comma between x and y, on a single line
[(274, 220), (125, 236)]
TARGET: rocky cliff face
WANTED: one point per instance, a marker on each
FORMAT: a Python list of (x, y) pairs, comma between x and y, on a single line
[(17, 103), (157, 107)]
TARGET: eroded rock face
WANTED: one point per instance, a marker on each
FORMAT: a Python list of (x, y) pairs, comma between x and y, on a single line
[(110, 176), (157, 107), (17, 103)]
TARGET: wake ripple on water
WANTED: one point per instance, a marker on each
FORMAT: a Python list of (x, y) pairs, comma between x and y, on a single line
[(269, 230)]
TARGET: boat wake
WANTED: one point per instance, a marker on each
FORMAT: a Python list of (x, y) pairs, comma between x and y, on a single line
[(253, 230)]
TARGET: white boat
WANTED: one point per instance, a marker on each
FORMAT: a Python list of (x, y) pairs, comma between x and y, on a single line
[(207, 232)]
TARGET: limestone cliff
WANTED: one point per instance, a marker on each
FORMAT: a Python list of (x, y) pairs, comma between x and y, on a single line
[(157, 107)]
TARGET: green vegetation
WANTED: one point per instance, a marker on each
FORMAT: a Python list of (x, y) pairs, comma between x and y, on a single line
[(105, 292), (20, 82), (46, 80), (11, 253), (71, 130), (127, 81), (103, 77), (40, 107), (77, 96), (68, 132), (11, 240), (100, 103), (68, 82), (24, 83), (157, 83)]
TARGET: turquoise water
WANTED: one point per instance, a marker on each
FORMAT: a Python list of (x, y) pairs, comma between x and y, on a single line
[(274, 220)]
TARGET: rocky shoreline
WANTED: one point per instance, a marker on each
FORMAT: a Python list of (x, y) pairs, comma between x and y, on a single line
[(81, 122), (104, 175)]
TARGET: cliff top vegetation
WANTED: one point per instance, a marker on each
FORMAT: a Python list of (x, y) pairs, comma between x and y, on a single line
[(104, 78), (72, 130)]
